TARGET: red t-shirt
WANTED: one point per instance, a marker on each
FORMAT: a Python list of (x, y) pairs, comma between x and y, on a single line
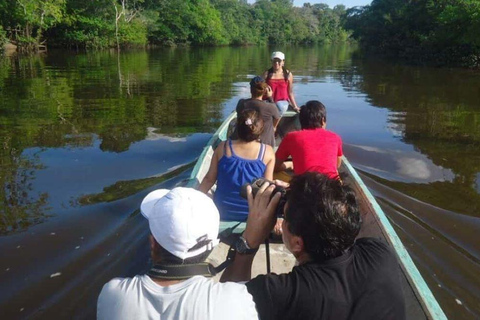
[(312, 150)]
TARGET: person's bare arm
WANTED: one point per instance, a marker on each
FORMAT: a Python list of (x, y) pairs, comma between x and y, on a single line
[(291, 96), (211, 176), (270, 162), (281, 165), (275, 123), (339, 162), (261, 219)]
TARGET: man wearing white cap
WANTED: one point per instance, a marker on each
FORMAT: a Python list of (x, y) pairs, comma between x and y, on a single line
[(184, 227)]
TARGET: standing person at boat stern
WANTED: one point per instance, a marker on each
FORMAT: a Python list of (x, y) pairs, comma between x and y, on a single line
[(237, 162), (338, 277), (280, 80), (184, 229), (313, 148)]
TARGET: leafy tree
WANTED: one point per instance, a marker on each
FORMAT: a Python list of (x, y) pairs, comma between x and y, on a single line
[(443, 31), (125, 23), (3, 37), (240, 27), (35, 17)]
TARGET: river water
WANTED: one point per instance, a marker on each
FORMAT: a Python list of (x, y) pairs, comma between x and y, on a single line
[(84, 137)]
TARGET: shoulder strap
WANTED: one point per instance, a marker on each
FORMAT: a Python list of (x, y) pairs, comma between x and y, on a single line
[(261, 154), (231, 148)]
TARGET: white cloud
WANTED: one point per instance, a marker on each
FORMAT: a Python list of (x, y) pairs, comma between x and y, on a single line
[(415, 168), (152, 136)]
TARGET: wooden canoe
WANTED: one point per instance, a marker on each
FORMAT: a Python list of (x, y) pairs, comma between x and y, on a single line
[(420, 302)]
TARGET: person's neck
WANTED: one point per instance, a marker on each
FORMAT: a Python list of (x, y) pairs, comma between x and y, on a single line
[(257, 98), (240, 141), (303, 258)]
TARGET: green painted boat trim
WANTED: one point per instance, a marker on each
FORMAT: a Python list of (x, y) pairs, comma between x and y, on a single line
[(220, 134), (425, 296), (429, 304)]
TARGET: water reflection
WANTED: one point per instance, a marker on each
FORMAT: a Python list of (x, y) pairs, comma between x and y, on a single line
[(85, 136)]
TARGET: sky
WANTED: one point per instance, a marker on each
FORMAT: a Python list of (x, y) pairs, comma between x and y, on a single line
[(333, 3)]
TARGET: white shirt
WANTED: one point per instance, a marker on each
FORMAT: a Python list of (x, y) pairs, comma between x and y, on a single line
[(195, 298)]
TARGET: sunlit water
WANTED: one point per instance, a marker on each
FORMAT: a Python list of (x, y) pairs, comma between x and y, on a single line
[(85, 136)]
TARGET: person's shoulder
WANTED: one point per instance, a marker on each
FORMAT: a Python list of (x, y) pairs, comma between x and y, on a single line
[(234, 287), (375, 249), (370, 242), (119, 285), (269, 152), (270, 105), (220, 147), (292, 135), (333, 134), (233, 301), (273, 281)]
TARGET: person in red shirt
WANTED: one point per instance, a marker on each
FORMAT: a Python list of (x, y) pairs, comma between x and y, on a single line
[(313, 148)]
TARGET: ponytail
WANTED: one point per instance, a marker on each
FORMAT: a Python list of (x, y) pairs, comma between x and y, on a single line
[(286, 74)]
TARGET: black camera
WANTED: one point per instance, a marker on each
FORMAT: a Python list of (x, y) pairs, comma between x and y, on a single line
[(257, 183)]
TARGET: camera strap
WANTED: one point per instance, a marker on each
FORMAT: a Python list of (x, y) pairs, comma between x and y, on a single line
[(185, 271)]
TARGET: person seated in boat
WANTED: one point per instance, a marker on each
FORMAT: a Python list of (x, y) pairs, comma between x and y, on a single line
[(237, 162), (313, 148), (337, 276), (184, 228), (268, 111), (280, 80)]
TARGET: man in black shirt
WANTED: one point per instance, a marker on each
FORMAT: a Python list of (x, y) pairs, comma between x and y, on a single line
[(337, 277)]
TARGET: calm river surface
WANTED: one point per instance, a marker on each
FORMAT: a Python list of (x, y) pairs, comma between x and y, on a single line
[(84, 137)]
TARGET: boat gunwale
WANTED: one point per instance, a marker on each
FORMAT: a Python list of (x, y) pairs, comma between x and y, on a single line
[(425, 297)]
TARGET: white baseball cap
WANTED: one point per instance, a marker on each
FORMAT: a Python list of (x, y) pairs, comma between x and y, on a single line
[(278, 55), (181, 219)]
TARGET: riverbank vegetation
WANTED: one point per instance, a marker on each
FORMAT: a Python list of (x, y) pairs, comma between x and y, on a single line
[(444, 32), (29, 24)]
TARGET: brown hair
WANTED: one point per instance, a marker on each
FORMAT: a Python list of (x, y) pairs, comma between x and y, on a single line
[(258, 89), (249, 125)]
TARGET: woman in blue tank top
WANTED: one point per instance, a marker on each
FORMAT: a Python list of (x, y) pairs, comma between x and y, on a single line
[(237, 162)]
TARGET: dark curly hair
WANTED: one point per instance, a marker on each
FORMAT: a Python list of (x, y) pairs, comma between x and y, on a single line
[(249, 124), (312, 115), (324, 213)]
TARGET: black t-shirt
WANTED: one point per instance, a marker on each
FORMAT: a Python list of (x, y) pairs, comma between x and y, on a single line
[(268, 112), (361, 284)]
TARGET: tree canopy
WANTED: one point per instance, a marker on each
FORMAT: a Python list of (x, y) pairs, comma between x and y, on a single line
[(127, 23), (444, 31)]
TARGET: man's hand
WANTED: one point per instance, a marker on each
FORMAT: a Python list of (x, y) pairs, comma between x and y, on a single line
[(261, 216)]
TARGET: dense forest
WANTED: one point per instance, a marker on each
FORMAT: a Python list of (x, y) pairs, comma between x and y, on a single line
[(445, 32), (442, 31), (130, 23)]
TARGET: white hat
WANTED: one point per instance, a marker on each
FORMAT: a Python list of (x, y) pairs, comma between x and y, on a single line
[(278, 55), (181, 218)]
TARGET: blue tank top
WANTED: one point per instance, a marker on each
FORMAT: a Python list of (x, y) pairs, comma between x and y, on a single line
[(232, 173)]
